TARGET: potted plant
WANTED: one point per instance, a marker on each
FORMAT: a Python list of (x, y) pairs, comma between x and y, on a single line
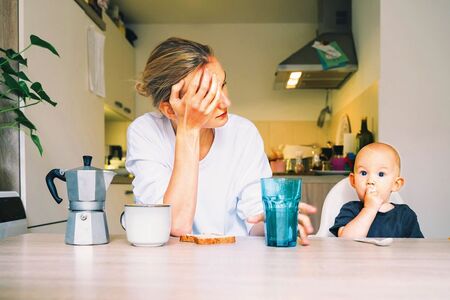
[(17, 91)]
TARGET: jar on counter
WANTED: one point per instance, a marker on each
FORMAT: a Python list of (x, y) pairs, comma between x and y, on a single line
[(338, 160), (298, 168)]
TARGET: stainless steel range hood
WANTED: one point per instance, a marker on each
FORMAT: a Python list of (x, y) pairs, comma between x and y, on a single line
[(334, 25)]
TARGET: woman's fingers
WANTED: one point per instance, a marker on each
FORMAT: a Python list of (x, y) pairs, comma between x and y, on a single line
[(303, 236), (210, 95), (175, 91), (193, 85), (305, 222), (305, 208), (202, 89), (215, 101), (256, 219)]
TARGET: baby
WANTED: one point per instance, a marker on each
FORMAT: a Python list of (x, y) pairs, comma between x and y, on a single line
[(376, 175)]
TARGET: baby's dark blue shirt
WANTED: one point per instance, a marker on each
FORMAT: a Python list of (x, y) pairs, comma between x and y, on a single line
[(399, 222)]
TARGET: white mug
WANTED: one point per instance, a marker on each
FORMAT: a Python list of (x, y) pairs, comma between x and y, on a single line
[(146, 224)]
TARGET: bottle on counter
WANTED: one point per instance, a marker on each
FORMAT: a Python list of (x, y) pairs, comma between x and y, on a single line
[(298, 168), (316, 163), (364, 137)]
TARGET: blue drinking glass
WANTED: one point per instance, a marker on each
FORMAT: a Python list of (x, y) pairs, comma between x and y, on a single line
[(281, 197)]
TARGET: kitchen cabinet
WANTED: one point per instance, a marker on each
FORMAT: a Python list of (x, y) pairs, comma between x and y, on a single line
[(314, 190), (119, 72), (117, 196), (71, 129)]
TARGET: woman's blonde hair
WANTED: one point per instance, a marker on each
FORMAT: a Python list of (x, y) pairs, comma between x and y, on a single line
[(169, 62)]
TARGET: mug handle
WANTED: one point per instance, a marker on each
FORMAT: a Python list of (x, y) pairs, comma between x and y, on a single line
[(122, 220)]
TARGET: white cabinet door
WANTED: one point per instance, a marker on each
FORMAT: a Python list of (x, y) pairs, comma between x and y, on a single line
[(117, 196), (127, 79), (119, 72)]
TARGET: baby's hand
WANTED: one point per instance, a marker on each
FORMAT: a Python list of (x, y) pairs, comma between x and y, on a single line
[(372, 199)]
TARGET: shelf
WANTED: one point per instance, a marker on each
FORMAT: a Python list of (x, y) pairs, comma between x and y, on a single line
[(92, 14)]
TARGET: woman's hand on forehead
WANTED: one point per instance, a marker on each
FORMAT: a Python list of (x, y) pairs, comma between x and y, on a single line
[(196, 105)]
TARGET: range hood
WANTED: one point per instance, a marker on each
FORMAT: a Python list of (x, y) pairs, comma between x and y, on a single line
[(334, 26)]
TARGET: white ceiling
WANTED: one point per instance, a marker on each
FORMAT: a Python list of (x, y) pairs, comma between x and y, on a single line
[(217, 11)]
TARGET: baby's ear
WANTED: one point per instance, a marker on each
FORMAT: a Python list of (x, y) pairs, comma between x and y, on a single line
[(351, 178), (398, 183)]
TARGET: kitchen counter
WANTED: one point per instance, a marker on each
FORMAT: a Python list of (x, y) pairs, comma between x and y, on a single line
[(122, 179), (313, 178), (309, 177)]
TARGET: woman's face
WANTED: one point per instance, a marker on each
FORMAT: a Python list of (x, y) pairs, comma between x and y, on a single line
[(220, 114)]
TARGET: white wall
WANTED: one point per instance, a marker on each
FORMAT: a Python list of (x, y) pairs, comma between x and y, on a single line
[(75, 126), (250, 54), (366, 34), (414, 103)]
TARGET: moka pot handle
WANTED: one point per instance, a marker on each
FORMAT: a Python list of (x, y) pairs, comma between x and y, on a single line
[(58, 173)]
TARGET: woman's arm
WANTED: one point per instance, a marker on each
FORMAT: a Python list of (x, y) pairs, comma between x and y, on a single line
[(190, 113)]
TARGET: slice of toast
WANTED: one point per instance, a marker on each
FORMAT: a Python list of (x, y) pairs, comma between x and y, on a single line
[(208, 239)]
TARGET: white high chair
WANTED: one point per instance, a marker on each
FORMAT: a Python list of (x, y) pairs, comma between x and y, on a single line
[(340, 194)]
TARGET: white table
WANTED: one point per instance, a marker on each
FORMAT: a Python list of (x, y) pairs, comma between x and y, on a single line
[(41, 266)]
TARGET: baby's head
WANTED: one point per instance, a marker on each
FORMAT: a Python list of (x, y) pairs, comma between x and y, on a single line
[(377, 168)]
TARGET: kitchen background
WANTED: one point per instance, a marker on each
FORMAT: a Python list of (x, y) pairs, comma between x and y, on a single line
[(404, 106)]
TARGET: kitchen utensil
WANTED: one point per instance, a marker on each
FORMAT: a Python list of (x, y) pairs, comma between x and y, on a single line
[(377, 242), (115, 151), (323, 113), (86, 189)]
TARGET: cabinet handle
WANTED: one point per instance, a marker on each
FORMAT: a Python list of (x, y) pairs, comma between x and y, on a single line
[(129, 192), (127, 110), (118, 104)]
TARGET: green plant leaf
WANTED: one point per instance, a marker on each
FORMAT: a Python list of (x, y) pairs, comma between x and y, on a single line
[(6, 67), (37, 87), (11, 82), (23, 76), (18, 88), (37, 142), (34, 96), (2, 59), (35, 40), (24, 88), (23, 120), (13, 55)]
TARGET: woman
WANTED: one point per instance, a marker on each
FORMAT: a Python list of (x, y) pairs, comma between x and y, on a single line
[(206, 163)]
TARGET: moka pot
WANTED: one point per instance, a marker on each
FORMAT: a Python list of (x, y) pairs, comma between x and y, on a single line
[(86, 190)]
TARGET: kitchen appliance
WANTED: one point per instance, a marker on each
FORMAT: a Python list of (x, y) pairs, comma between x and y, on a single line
[(304, 66), (115, 151), (323, 113), (13, 220), (86, 189)]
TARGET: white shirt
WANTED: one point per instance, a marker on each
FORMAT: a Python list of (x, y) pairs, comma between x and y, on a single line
[(229, 175)]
